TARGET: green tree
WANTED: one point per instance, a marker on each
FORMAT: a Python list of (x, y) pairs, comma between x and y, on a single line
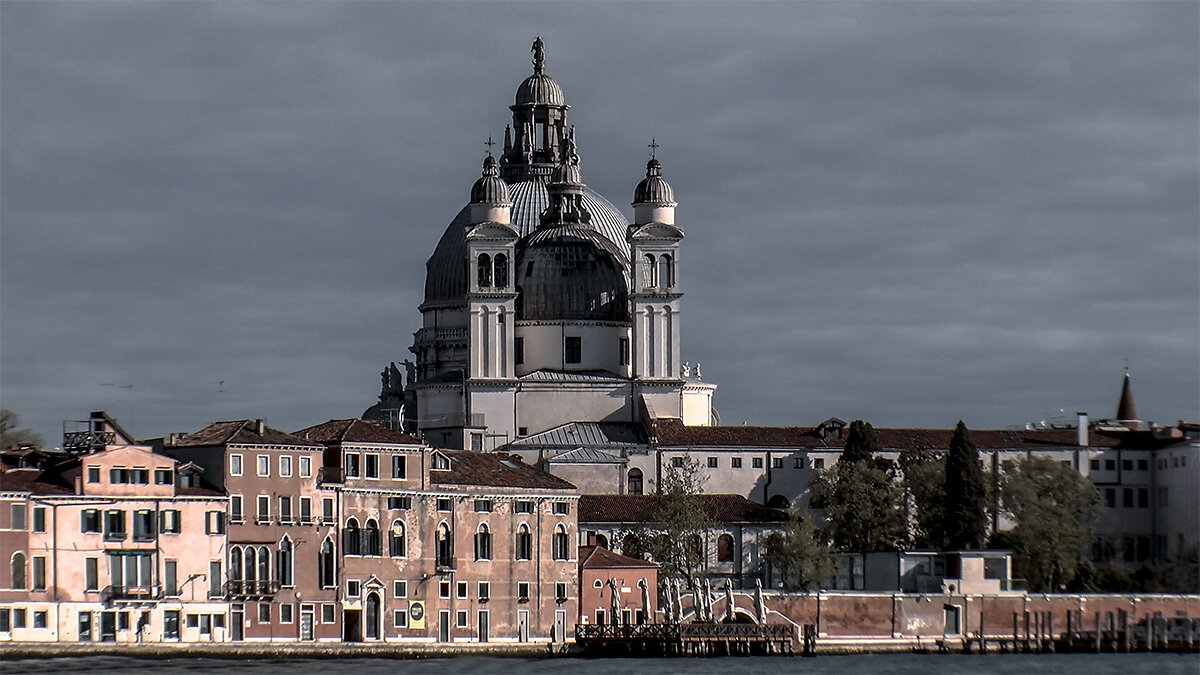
[(10, 433), (862, 499), (803, 558), (924, 485), (1055, 510), (966, 493), (679, 522)]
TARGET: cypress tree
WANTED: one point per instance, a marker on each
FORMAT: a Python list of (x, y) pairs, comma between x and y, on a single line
[(966, 493), (861, 443)]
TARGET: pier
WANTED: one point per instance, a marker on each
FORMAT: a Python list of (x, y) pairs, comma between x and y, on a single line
[(687, 639)]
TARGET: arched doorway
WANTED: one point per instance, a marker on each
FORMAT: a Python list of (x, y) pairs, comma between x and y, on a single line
[(371, 617)]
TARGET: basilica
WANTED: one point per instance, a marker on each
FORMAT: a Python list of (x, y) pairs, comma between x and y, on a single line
[(544, 305)]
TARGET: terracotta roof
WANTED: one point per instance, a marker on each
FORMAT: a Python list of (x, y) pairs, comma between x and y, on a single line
[(674, 433), (354, 431), (494, 469), (722, 508), (594, 557), (35, 481), (238, 431)]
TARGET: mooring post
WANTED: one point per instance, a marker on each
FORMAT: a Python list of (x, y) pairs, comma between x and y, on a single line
[(1097, 634), (982, 634)]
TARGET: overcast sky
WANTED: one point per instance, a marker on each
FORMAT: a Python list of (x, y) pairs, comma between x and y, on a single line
[(908, 213)]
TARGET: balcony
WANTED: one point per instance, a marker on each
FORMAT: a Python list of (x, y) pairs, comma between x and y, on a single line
[(330, 474), (130, 594), (446, 564), (246, 590)]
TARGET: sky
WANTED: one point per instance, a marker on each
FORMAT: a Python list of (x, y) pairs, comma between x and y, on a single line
[(908, 213)]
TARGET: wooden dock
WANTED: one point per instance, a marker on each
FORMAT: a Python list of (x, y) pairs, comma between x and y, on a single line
[(687, 639)]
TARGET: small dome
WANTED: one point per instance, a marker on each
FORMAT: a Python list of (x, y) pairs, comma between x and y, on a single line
[(539, 89), (653, 189), (567, 174), (490, 188)]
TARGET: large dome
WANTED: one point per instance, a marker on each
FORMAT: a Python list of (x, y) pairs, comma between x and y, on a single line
[(570, 273)]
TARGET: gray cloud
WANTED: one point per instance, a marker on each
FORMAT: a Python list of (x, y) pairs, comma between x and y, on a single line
[(906, 212)]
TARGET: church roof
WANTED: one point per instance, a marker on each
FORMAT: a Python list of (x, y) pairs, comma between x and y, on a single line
[(586, 456), (549, 375), (587, 434), (721, 508), (1126, 410)]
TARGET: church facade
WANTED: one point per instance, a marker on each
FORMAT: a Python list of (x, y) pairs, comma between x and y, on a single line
[(544, 305)]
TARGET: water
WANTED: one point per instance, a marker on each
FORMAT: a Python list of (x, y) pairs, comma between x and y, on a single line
[(887, 664)]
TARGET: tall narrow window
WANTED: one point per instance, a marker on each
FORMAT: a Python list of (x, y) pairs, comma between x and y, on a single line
[(170, 578), (573, 349), (483, 543), (623, 350), (350, 538), (524, 544), (370, 538), (445, 546), (325, 565), (519, 350), (725, 548), (561, 542), (666, 271), (18, 571), (396, 542), (648, 270), (485, 271), (283, 562), (501, 267), (399, 466), (634, 483), (91, 574)]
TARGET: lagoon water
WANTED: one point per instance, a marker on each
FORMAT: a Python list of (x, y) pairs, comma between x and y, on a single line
[(884, 664)]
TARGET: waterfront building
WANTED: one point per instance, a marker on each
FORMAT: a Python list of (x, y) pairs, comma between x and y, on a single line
[(603, 573)]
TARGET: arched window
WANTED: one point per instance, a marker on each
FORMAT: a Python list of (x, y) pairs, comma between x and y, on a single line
[(501, 267), (725, 548), (325, 564), (445, 546), (524, 548), (251, 570), (483, 543), (778, 502), (350, 538), (283, 561), (602, 541), (485, 271), (561, 544), (635, 481), (370, 538), (648, 270), (18, 570), (666, 271), (264, 564), (396, 543), (235, 563)]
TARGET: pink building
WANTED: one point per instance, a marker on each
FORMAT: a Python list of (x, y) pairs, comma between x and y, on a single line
[(603, 573)]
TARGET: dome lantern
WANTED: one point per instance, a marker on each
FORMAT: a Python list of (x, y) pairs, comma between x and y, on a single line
[(653, 198)]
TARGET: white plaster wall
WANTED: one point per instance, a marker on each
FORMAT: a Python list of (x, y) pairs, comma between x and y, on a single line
[(599, 343)]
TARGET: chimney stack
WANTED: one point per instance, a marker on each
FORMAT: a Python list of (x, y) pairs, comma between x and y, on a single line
[(258, 426), (1081, 430)]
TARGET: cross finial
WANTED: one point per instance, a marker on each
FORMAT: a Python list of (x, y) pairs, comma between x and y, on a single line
[(653, 147), (490, 143)]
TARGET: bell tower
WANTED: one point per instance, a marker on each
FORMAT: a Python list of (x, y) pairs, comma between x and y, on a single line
[(655, 289)]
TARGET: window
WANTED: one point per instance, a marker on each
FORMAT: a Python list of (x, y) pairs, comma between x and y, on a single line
[(648, 269), (118, 476), (1110, 497), (214, 522), (351, 465), (443, 504), (39, 618), (444, 589), (1128, 501), (400, 503), (1094, 465), (677, 462), (285, 509), (236, 515), (483, 506), (143, 525), (524, 544), (214, 578), (325, 567), (725, 548), (399, 589), (328, 613), (140, 476), (562, 508), (524, 506), (89, 521), (371, 466), (264, 612), (285, 613), (305, 510), (327, 511), (519, 350), (39, 572), (483, 543), (399, 618), (1143, 498), (305, 466), (1142, 465), (1110, 465), (264, 465), (114, 525), (18, 516), (163, 477), (235, 465), (1127, 465), (573, 349), (283, 563), (169, 521), (522, 591), (560, 592), (371, 544), (623, 351), (757, 462), (397, 547), (285, 466), (818, 464), (91, 574), (445, 546), (399, 467), (777, 463), (93, 474), (634, 482), (712, 462), (18, 617), (170, 578), (462, 589), (560, 544), (485, 591), (735, 462), (799, 463), (461, 618), (666, 272), (353, 588), (263, 513), (500, 264), (39, 519), (484, 266), (476, 442), (350, 539), (439, 462)]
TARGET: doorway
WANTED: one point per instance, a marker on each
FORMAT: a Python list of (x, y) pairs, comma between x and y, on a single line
[(352, 625), (108, 626), (484, 628), (371, 622), (523, 625), (237, 623), (307, 618), (444, 625)]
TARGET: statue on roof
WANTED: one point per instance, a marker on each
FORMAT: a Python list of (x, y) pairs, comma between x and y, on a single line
[(539, 55)]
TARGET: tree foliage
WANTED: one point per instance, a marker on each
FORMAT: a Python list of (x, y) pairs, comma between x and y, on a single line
[(863, 501), (801, 555), (674, 537), (966, 516), (11, 435), (924, 485), (1055, 510)]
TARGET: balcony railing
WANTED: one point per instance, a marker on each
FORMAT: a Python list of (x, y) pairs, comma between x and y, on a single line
[(112, 594), (251, 589)]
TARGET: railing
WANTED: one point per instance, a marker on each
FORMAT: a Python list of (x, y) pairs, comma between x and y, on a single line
[(251, 589), (86, 440), (436, 334), (330, 474), (684, 631), (446, 564), (130, 594)]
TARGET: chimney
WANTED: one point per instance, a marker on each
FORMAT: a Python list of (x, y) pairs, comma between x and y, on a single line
[(258, 426), (1081, 430)]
